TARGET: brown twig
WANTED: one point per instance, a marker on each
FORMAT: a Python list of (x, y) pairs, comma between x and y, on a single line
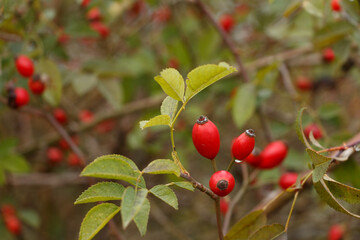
[(226, 38), (286, 78), (46, 179), (199, 186)]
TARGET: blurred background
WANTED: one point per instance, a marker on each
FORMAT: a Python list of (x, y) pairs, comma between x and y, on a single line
[(98, 60)]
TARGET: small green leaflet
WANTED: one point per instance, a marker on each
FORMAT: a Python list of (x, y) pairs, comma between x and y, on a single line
[(342, 191), (142, 217), (172, 83), (166, 194), (96, 219), (169, 107), (332, 33), (320, 162), (183, 184), (131, 204), (162, 166), (268, 232), (156, 121), (244, 104), (104, 191)]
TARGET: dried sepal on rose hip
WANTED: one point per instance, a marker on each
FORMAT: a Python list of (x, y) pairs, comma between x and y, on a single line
[(243, 145), (222, 183), (206, 138), (273, 155)]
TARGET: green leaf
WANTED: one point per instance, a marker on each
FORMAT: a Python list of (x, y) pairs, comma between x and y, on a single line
[(111, 167), (293, 7), (246, 226), (104, 191), (96, 219), (299, 129), (332, 33), (30, 217), (169, 107), (162, 166), (166, 194), (352, 8), (53, 90), (312, 9), (142, 217), (268, 232), (2, 176), (325, 194), (156, 121), (83, 83), (131, 204), (205, 75), (342, 191), (184, 184), (172, 83), (320, 162), (112, 90), (15, 164), (244, 104)]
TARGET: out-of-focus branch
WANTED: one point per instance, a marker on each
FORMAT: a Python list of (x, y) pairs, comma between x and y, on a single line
[(199, 186), (46, 179)]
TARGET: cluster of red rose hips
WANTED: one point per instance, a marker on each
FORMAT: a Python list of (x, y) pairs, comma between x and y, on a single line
[(206, 139), (12, 223), (95, 18)]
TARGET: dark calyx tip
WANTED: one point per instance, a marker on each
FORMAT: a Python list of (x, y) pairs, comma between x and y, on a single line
[(222, 185), (250, 133), (202, 120)]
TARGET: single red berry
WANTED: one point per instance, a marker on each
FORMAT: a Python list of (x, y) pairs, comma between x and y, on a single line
[(137, 7), (86, 116), (335, 5), (315, 130), (273, 155), (336, 232), (105, 126), (100, 28), (227, 22), (36, 85), (254, 158), (222, 183), (85, 3), (287, 180), (7, 210), (54, 155), (24, 65), (64, 144), (60, 115), (206, 138), (18, 97), (94, 14), (303, 83), (162, 14), (224, 206), (13, 224), (74, 160), (328, 55), (173, 63), (63, 38), (243, 145)]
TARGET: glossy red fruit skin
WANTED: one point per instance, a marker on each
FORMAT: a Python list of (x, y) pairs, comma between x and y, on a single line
[(85, 3), (303, 84), (227, 22), (328, 55), (224, 206), (54, 155), (254, 159), (315, 129), (94, 14), (60, 115), (222, 177), (74, 160), (7, 210), (287, 180), (13, 224), (243, 145), (206, 138), (335, 5), (336, 232), (86, 116), (36, 85), (100, 28), (21, 97), (24, 65), (273, 155)]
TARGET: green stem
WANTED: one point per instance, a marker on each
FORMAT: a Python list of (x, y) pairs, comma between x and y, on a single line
[(213, 162), (291, 210), (172, 125), (230, 164)]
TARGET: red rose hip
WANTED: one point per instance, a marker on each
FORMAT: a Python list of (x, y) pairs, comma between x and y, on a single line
[(86, 116), (287, 180), (206, 138), (54, 155), (328, 55), (303, 83), (243, 145), (60, 115), (18, 97), (36, 85), (13, 224), (227, 22), (335, 5), (222, 183), (317, 133), (273, 155), (24, 65), (74, 160), (253, 159), (224, 206), (94, 14), (336, 232)]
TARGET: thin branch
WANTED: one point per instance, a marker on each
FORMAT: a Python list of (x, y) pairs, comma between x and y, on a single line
[(218, 218), (226, 38), (199, 186), (286, 78), (46, 179)]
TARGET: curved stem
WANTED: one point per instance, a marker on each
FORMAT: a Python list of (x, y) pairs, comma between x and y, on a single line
[(291, 210), (231, 164), (213, 162), (237, 197), (172, 125)]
